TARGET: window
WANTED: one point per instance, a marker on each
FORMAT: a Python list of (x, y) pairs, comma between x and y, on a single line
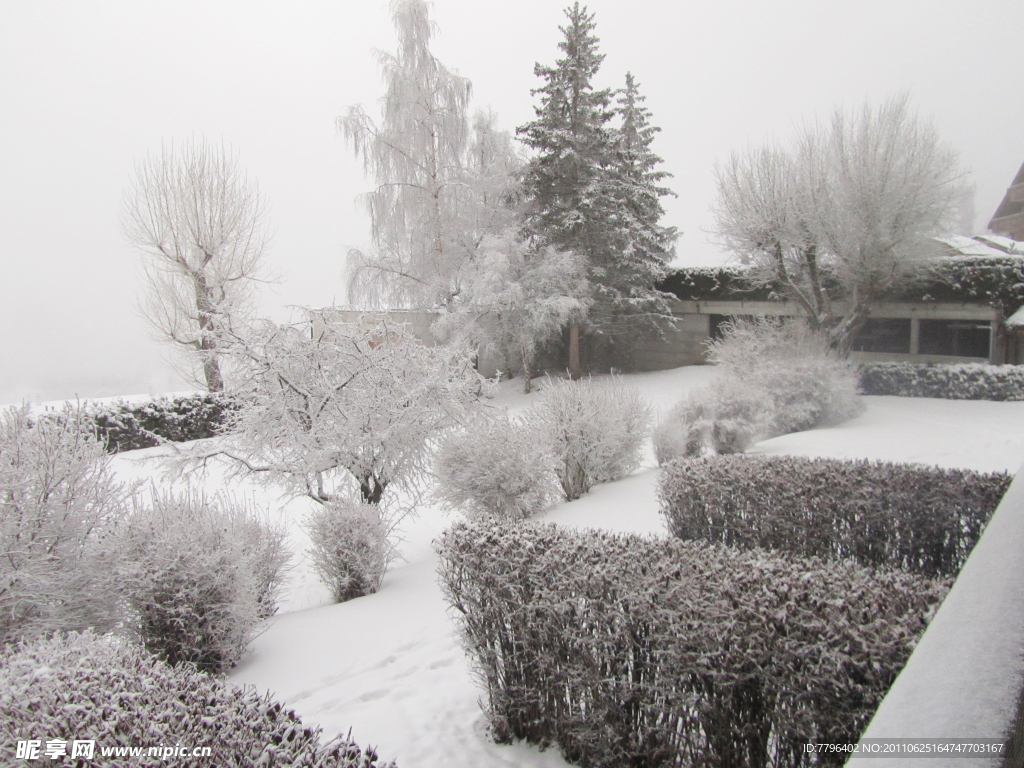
[(960, 338), (884, 334)]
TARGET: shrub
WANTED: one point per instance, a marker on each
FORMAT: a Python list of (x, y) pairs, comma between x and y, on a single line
[(59, 506), (807, 384), (595, 432), (920, 519), (84, 687), (351, 549), (969, 381), (627, 650), (496, 468), (197, 576), (725, 417)]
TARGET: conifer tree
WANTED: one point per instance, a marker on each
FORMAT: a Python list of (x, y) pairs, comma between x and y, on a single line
[(593, 188), (645, 247)]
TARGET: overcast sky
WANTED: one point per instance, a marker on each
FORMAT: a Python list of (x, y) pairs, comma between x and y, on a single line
[(87, 89)]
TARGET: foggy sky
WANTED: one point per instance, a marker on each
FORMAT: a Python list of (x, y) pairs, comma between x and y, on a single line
[(88, 89)]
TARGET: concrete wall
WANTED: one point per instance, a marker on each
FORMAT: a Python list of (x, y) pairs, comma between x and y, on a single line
[(681, 346), (964, 678)]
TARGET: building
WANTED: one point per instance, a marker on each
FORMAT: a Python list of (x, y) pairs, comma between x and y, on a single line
[(961, 317), (1009, 217)]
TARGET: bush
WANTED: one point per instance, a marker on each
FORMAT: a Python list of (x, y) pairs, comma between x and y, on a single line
[(351, 549), (807, 384), (626, 650), (497, 468), (725, 417), (921, 519), (197, 576), (83, 687), (969, 381), (595, 432), (59, 507)]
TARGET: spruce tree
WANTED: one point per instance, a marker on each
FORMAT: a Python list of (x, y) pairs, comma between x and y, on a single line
[(644, 247), (593, 188)]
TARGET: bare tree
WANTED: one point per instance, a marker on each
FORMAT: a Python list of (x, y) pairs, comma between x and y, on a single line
[(849, 213), (200, 223)]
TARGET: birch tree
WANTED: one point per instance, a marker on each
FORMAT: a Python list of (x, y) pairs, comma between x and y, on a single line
[(200, 224), (848, 213), (420, 207)]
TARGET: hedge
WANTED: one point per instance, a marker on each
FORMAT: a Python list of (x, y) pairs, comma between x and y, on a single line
[(965, 381), (920, 519), (82, 687), (127, 427), (633, 651)]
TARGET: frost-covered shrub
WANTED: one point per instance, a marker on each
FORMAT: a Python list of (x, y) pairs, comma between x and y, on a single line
[(966, 381), (351, 548), (84, 687), (725, 417), (595, 431), (197, 575), (921, 519), (497, 467), (59, 508), (627, 650), (808, 385)]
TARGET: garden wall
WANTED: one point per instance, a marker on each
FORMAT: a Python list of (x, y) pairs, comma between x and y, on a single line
[(964, 679)]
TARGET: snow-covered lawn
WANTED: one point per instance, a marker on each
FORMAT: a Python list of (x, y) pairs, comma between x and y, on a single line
[(390, 665)]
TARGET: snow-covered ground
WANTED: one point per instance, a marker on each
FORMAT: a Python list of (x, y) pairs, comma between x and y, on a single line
[(390, 666)]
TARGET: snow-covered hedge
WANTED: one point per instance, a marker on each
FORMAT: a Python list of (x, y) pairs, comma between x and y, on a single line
[(626, 650), (497, 467), (351, 548), (127, 427), (966, 381), (83, 687), (197, 575), (595, 431), (916, 518)]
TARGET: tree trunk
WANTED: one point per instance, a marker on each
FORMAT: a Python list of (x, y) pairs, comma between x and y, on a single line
[(527, 372), (574, 351), (207, 342), (371, 490)]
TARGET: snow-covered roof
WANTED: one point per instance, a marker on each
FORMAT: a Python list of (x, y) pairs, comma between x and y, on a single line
[(1016, 320), (985, 246)]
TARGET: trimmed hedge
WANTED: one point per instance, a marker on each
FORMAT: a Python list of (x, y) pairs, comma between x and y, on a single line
[(633, 651), (87, 687), (920, 519), (965, 381), (126, 427)]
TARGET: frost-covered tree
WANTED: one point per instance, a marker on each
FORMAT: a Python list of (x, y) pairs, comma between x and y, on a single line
[(593, 188), (440, 182), (849, 213), (643, 247), (515, 297), (59, 507), (200, 224), (342, 410)]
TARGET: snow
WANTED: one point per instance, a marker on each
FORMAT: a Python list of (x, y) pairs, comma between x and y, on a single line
[(390, 665)]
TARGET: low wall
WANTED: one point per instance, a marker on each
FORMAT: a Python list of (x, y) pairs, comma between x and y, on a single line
[(965, 677)]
